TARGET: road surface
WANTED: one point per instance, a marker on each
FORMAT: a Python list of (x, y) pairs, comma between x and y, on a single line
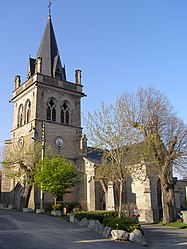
[(20, 230)]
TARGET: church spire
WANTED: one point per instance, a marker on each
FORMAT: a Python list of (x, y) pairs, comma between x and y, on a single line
[(49, 54)]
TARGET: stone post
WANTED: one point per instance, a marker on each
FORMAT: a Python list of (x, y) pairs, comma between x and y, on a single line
[(17, 81), (148, 209), (83, 143), (110, 200), (38, 66), (78, 76)]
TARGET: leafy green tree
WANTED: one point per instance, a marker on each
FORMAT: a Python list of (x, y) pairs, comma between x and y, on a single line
[(19, 164), (55, 175)]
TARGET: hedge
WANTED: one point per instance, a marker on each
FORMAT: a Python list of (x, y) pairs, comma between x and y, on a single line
[(95, 215), (111, 219), (121, 223)]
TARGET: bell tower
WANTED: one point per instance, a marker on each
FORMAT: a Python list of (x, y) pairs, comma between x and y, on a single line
[(47, 97)]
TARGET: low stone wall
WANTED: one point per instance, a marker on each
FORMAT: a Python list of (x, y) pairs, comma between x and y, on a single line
[(108, 232)]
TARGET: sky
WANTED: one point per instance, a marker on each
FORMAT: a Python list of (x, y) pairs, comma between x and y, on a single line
[(120, 45)]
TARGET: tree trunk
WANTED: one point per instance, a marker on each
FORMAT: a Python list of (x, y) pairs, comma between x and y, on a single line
[(168, 200), (120, 198), (55, 199)]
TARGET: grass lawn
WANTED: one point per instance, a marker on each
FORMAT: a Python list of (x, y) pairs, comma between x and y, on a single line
[(178, 224)]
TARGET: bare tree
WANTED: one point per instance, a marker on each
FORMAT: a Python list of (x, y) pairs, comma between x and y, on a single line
[(164, 139), (19, 164), (107, 131)]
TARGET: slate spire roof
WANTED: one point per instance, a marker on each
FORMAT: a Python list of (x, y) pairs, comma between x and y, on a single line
[(48, 51)]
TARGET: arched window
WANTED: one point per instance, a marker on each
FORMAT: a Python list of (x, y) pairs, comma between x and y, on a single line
[(20, 116), (28, 111), (51, 110), (64, 113)]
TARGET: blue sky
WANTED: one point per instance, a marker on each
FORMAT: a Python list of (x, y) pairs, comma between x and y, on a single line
[(119, 45)]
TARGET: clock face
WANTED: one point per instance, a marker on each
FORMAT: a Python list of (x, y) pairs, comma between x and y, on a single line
[(20, 142), (59, 142)]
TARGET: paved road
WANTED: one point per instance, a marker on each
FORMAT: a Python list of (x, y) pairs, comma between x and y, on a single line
[(163, 237), (35, 231)]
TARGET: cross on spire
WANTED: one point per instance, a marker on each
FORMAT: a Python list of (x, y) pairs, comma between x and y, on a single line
[(49, 7)]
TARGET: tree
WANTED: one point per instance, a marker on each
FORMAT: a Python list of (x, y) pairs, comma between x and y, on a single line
[(164, 139), (55, 175), (19, 164), (107, 131), (140, 129)]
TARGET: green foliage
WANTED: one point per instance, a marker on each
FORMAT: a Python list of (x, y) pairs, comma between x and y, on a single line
[(177, 223), (49, 208), (64, 217), (109, 218), (55, 175), (57, 207), (72, 207), (20, 163), (95, 215), (121, 223)]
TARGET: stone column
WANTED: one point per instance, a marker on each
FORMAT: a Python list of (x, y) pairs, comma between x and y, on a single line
[(78, 76), (17, 81), (38, 65), (148, 208), (90, 193), (110, 199), (90, 185)]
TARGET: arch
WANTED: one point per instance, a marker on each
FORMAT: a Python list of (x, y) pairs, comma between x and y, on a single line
[(51, 109), (20, 116), (28, 111), (18, 196), (65, 113)]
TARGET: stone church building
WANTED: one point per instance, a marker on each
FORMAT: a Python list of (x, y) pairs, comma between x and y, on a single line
[(47, 97)]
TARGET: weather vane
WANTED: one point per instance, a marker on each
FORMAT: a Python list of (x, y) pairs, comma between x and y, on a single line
[(49, 6)]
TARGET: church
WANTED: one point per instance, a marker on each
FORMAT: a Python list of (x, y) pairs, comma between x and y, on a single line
[(46, 98), (47, 107)]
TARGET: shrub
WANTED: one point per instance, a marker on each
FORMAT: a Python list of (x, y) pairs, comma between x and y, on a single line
[(95, 215), (60, 206), (48, 208), (109, 218), (121, 223), (73, 207), (57, 207)]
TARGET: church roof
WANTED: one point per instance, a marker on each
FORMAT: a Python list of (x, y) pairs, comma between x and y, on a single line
[(48, 51), (94, 155)]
